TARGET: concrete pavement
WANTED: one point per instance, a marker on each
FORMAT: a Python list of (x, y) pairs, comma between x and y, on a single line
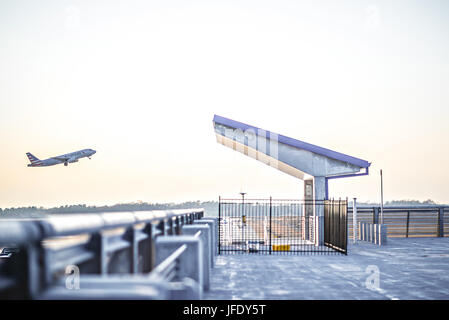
[(413, 268)]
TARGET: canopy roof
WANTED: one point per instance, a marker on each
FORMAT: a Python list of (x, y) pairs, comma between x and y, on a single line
[(292, 156)]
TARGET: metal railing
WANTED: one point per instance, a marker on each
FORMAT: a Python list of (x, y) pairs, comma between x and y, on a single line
[(278, 226), (97, 244), (405, 222), (168, 268), (336, 225)]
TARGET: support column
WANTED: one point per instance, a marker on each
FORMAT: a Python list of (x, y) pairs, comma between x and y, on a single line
[(320, 195), (308, 208), (319, 188), (314, 189)]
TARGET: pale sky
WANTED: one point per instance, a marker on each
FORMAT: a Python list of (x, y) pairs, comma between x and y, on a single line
[(140, 81)]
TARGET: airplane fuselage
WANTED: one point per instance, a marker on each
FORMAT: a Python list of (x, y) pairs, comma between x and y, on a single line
[(64, 158)]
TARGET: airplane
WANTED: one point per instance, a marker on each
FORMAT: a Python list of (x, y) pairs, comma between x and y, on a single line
[(65, 158)]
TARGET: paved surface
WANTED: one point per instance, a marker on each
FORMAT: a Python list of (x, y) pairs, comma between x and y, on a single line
[(403, 269)]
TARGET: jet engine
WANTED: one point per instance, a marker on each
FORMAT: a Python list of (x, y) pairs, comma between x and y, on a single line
[(71, 160)]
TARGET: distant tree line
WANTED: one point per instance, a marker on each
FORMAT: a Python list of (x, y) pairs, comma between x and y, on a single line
[(399, 203), (210, 207)]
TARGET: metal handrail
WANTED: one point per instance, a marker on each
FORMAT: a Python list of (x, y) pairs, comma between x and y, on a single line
[(65, 224), (167, 268), (198, 234), (406, 221), (50, 244), (406, 208)]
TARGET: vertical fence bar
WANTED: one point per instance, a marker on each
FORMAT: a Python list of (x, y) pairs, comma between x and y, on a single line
[(440, 230), (354, 220), (270, 219), (339, 232), (219, 225), (407, 224), (332, 223), (345, 223), (375, 215)]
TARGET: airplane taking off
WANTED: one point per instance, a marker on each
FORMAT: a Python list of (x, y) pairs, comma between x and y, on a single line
[(65, 158)]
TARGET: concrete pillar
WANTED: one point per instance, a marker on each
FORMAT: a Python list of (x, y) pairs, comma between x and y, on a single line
[(319, 190), (319, 239), (308, 207), (214, 234), (215, 219), (205, 236), (191, 261), (319, 193)]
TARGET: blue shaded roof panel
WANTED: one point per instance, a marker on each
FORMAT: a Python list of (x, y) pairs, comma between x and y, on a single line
[(295, 143)]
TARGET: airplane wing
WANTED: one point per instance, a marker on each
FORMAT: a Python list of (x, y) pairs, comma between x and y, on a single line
[(63, 159)]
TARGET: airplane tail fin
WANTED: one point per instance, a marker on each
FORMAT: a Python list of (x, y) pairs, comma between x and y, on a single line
[(33, 159)]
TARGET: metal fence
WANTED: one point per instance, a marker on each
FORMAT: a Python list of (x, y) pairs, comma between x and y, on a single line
[(336, 225), (405, 222), (269, 226), (111, 243)]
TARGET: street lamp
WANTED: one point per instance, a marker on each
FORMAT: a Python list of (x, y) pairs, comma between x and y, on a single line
[(243, 216), (243, 207), (381, 198)]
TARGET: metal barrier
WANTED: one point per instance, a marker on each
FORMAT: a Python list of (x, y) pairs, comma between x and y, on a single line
[(119, 246), (405, 222), (272, 226), (336, 225), (168, 268), (373, 232)]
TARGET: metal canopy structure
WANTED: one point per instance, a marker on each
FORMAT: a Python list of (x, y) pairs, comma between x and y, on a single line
[(311, 163)]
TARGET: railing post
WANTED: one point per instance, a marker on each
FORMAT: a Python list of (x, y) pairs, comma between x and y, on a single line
[(376, 215), (205, 236), (29, 263), (178, 225), (98, 245), (441, 222), (408, 224), (191, 262), (162, 227), (169, 227), (130, 236), (269, 234), (149, 254)]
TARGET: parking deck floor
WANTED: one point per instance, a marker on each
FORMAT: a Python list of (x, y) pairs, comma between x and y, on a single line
[(413, 268)]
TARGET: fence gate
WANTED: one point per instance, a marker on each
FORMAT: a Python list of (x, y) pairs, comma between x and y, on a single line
[(269, 226)]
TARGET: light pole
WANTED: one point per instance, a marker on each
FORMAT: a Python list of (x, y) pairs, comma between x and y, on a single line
[(243, 216), (243, 207), (381, 198), (354, 221)]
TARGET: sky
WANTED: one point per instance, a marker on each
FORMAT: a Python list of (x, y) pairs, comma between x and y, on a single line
[(140, 82)]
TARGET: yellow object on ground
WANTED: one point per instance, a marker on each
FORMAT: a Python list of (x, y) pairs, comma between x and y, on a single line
[(281, 247)]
